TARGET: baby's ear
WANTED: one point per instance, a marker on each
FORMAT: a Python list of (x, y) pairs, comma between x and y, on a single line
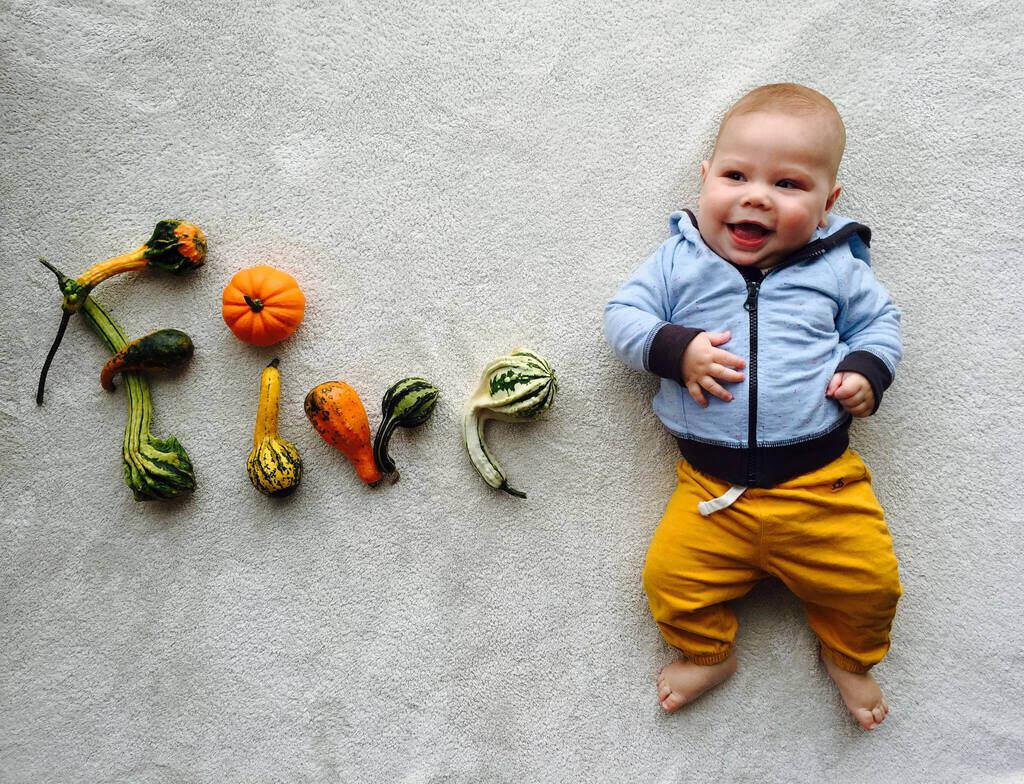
[(829, 204), (704, 166)]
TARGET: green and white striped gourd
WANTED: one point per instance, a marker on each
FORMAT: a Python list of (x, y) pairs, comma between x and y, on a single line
[(515, 388), (408, 403)]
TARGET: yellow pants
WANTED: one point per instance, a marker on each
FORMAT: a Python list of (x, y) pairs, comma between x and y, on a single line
[(823, 534)]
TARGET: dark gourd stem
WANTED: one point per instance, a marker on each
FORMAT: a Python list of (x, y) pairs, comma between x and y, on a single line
[(275, 362), (61, 277), (65, 317), (255, 304), (512, 490), (380, 447)]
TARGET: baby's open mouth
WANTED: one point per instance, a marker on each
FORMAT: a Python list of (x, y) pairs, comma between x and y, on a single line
[(750, 234)]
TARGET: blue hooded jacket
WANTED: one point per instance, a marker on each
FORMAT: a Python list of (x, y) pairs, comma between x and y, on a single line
[(818, 312)]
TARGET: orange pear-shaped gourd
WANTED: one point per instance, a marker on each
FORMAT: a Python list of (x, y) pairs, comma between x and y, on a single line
[(339, 416)]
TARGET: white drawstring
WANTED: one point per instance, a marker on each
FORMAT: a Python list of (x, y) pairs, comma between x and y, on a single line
[(724, 501)]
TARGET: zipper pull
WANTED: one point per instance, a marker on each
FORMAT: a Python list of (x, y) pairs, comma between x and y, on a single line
[(753, 286)]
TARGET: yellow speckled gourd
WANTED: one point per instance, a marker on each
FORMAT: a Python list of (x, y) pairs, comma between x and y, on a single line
[(275, 467)]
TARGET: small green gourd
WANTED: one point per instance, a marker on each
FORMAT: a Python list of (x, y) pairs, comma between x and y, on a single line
[(156, 469), (165, 349), (407, 403)]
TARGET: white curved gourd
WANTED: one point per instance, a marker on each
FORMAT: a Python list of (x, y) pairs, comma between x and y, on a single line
[(514, 388)]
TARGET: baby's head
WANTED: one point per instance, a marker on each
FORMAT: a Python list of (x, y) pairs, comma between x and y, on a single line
[(771, 180)]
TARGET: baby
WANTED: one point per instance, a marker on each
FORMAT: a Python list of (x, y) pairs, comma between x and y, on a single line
[(762, 317)]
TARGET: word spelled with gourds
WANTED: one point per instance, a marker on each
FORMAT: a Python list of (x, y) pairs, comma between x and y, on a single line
[(263, 306)]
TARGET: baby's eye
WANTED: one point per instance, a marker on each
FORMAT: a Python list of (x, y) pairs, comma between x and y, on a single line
[(734, 175), (788, 184)]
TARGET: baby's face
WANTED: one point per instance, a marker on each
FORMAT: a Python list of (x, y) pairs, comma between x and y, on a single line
[(769, 185)]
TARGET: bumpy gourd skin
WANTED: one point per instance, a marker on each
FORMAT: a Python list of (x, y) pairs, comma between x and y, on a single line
[(274, 464), (275, 467), (338, 415), (176, 246), (156, 469)]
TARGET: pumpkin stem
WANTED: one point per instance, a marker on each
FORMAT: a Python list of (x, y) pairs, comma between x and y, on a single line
[(65, 317), (255, 304)]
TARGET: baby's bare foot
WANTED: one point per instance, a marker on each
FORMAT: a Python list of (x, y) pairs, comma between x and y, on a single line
[(861, 693), (683, 681)]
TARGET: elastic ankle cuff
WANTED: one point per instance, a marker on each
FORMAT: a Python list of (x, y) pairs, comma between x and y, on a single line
[(707, 659), (843, 662)]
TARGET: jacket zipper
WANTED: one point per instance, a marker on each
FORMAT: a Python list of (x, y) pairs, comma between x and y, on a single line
[(753, 288), (817, 248)]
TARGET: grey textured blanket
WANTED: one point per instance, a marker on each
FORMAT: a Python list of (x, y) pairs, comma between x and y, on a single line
[(447, 183)]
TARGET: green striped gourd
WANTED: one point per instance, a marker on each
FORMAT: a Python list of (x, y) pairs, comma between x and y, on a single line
[(408, 403), (514, 388), (156, 469)]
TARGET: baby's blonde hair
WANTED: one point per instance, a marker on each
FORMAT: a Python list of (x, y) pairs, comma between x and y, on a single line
[(793, 98)]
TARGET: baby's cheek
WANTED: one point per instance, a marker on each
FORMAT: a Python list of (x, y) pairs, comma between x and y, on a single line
[(798, 225)]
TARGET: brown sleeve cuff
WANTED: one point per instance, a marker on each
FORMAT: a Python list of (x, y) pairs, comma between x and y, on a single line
[(665, 354), (872, 368)]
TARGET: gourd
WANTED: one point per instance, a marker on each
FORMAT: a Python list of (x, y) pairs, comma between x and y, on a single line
[(514, 388), (274, 464), (407, 403), (164, 349), (176, 246), (338, 415), (263, 305), (154, 468)]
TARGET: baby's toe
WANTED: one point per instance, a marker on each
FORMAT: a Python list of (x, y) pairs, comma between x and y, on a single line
[(672, 702), (866, 718)]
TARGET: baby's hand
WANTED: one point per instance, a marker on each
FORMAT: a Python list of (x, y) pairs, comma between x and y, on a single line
[(703, 362), (853, 392)]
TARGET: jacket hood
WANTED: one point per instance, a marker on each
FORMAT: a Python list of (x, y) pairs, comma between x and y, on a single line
[(839, 231)]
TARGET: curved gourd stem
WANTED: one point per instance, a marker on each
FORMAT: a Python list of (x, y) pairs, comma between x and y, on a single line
[(64, 319), (100, 322), (140, 408), (473, 430), (61, 280), (504, 480), (267, 411), (99, 272), (511, 490), (380, 446)]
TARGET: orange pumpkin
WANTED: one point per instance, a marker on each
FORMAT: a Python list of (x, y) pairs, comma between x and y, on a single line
[(263, 305)]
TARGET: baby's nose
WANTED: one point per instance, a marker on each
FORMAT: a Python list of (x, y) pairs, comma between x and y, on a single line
[(756, 196)]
